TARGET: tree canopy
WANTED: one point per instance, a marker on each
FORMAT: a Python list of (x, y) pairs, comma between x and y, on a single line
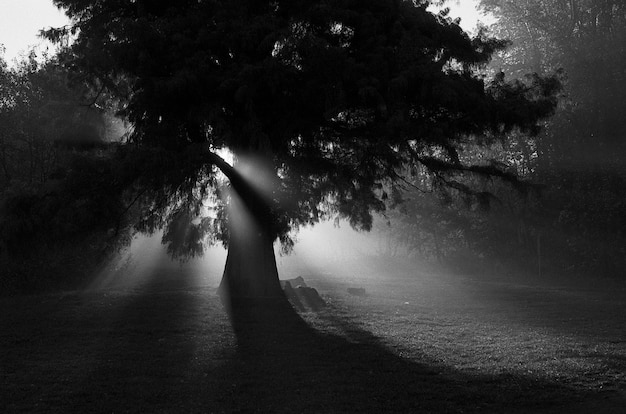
[(331, 102)]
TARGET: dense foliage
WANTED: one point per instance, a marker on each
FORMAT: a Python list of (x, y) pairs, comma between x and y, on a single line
[(60, 192), (580, 157), (338, 94), (575, 224), (327, 107)]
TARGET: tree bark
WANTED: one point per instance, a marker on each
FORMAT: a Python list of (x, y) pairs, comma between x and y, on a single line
[(250, 271)]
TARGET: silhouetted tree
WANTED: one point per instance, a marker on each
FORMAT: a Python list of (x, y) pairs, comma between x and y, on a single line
[(322, 103)]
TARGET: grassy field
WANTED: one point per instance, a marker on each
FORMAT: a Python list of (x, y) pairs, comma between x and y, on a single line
[(420, 341)]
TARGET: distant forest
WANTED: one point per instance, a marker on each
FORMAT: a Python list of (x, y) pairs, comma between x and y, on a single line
[(65, 171), (572, 220)]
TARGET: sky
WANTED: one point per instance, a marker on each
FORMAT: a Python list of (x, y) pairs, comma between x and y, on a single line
[(466, 10), (21, 20)]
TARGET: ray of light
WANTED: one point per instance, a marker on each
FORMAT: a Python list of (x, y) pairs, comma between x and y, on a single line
[(329, 254), (146, 262)]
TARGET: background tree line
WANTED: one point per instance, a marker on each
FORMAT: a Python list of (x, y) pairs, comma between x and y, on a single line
[(573, 220), (59, 198)]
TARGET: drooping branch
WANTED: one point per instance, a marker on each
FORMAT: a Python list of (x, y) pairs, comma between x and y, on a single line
[(95, 99), (126, 209), (442, 171)]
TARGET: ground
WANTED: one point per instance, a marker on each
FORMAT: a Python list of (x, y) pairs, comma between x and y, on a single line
[(420, 341)]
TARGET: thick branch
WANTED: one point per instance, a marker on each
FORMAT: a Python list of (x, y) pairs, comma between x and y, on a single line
[(251, 197)]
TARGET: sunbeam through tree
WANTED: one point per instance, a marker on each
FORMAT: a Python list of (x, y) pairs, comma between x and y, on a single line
[(332, 100)]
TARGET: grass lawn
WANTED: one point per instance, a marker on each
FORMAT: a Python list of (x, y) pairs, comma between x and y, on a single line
[(418, 342)]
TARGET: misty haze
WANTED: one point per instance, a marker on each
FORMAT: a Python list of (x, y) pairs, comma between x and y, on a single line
[(380, 206)]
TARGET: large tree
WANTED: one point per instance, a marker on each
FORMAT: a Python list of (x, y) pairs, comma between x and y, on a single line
[(324, 105)]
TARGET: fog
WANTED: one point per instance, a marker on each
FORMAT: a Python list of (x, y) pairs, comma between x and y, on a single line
[(325, 252)]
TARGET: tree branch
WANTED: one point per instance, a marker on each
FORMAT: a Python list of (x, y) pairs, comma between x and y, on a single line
[(92, 103)]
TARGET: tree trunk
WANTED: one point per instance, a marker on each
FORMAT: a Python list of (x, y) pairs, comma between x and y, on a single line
[(250, 271)]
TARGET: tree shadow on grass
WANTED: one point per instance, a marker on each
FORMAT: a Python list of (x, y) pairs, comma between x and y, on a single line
[(147, 361), (110, 351), (284, 365)]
